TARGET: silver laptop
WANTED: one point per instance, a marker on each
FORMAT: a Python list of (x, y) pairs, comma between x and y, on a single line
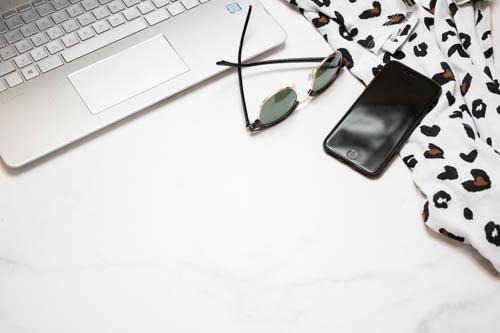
[(71, 67)]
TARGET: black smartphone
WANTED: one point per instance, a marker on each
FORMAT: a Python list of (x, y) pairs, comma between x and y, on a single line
[(382, 118)]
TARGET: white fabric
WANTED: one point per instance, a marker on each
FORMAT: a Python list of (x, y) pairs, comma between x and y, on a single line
[(454, 153)]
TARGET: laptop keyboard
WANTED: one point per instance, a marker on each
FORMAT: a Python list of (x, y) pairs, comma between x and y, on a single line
[(39, 37)]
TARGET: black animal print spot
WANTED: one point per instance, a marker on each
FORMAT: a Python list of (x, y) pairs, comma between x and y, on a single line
[(451, 98), (443, 231), (322, 3), (479, 16), (486, 35), (368, 42), (412, 36), (444, 77), (469, 131), (445, 35), (420, 50), (453, 9), (478, 108), (429, 22), (470, 157), (372, 12), (376, 70), (498, 109), (457, 48), (399, 55), (468, 214), (487, 71), (480, 182), (489, 142), (450, 173), (406, 30), (493, 87), (456, 114), (395, 19), (465, 39), (346, 58), (425, 212), (492, 231), (451, 23), (321, 20), (432, 7), (434, 152), (464, 87), (325, 36), (488, 53), (441, 199), (410, 161), (346, 34), (430, 131)]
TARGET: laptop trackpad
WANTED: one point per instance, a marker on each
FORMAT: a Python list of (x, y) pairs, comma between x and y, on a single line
[(127, 74)]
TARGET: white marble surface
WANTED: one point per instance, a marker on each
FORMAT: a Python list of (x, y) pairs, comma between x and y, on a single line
[(177, 220)]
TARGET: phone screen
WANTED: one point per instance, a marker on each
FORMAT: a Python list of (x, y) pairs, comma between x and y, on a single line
[(374, 128)]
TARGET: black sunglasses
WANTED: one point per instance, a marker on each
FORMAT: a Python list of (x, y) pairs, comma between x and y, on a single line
[(281, 104)]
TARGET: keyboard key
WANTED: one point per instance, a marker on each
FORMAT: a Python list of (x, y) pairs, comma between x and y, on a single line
[(145, 7), (12, 36), (85, 33), (39, 39), (85, 19), (54, 47), (6, 68), (30, 72), (88, 5), (156, 17), (70, 40), (73, 1), (203, 1), (59, 17), (29, 16), (54, 32), (23, 46), (100, 13), (3, 28), (161, 3), (175, 8), (23, 8), (45, 9), (22, 61), (13, 79), (14, 22), (131, 13), (103, 2), (28, 30), (60, 4), (100, 27), (116, 6), (43, 23), (116, 20), (103, 40), (2, 42), (75, 10), (3, 87), (49, 63), (7, 52), (38, 54), (130, 3), (38, 2), (8, 14), (190, 3), (70, 26)]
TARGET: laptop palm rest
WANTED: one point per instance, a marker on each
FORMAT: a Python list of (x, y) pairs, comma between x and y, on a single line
[(127, 74)]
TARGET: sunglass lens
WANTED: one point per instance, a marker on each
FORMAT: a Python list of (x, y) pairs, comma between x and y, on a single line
[(327, 72), (278, 106)]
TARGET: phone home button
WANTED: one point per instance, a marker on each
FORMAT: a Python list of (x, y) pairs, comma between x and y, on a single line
[(352, 154)]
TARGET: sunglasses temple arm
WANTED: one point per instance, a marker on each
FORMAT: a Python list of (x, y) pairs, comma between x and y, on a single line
[(268, 62), (240, 77)]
